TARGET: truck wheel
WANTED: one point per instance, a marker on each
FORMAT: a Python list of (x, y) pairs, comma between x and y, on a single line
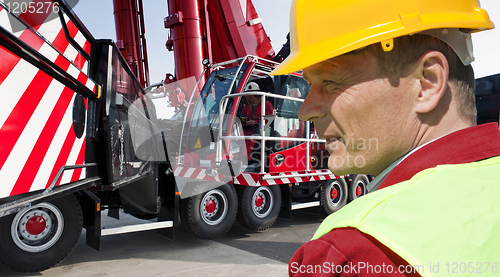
[(334, 195), (211, 214), (259, 207), (41, 236), (357, 187)]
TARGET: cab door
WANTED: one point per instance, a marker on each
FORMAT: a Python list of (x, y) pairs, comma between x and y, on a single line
[(293, 151)]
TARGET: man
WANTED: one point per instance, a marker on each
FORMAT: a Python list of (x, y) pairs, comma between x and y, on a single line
[(252, 112), (398, 74)]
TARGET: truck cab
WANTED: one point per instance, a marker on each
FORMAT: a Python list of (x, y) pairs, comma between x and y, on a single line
[(244, 145)]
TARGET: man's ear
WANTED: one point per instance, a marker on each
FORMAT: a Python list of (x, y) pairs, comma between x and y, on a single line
[(432, 70)]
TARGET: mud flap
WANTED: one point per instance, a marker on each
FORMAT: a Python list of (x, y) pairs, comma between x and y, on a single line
[(286, 201), (169, 210), (91, 209)]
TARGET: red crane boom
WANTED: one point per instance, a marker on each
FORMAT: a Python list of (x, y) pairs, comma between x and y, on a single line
[(218, 30), (130, 37)]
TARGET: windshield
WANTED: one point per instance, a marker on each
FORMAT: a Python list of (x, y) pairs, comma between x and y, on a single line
[(205, 122)]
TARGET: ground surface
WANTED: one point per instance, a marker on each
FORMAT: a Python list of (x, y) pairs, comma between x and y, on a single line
[(240, 253)]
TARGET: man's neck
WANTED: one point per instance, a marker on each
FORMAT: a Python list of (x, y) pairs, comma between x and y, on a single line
[(464, 146), (430, 132)]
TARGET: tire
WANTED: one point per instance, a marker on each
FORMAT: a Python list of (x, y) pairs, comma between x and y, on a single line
[(357, 187), (21, 250), (210, 215), (259, 207), (334, 195)]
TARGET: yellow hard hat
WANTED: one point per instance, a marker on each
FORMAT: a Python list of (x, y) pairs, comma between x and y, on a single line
[(323, 29)]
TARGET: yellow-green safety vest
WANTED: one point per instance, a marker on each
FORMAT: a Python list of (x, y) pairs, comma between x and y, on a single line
[(444, 220)]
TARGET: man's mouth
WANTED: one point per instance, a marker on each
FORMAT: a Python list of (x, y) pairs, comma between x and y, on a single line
[(331, 143)]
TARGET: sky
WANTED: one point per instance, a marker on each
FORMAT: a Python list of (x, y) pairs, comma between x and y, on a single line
[(97, 15)]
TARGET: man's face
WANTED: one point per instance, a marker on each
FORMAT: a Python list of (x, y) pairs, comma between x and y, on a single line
[(253, 99), (366, 119)]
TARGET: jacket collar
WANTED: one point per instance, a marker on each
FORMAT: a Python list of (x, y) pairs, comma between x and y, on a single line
[(463, 146)]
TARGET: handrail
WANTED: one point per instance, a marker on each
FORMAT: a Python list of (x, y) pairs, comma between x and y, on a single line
[(262, 93), (273, 138), (60, 172), (263, 138), (296, 175)]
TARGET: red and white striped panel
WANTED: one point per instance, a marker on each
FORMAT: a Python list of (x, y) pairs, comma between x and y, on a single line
[(249, 179), (199, 173), (70, 52), (45, 34), (36, 132), (321, 177), (256, 179), (196, 173), (285, 178)]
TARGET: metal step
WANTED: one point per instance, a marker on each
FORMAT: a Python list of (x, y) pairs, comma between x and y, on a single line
[(136, 228), (297, 206)]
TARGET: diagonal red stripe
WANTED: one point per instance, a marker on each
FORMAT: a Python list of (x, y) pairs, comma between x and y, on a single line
[(63, 156), (86, 47), (36, 18), (60, 41), (183, 172), (32, 165), (18, 118), (30, 169), (9, 61), (80, 60), (20, 115), (79, 160)]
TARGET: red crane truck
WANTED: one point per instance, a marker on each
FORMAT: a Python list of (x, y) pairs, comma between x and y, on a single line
[(79, 133)]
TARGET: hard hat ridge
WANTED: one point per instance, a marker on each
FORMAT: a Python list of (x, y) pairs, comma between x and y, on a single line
[(323, 29), (459, 41)]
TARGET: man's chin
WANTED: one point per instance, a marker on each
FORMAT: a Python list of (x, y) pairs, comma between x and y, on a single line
[(340, 171), (342, 166)]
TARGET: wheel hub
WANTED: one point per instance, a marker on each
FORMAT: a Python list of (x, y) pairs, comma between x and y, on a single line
[(37, 228), (35, 225), (259, 200), (263, 203), (334, 193), (211, 206), (359, 191)]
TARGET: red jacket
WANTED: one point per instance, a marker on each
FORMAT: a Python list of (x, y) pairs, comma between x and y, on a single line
[(251, 130), (248, 112), (345, 246)]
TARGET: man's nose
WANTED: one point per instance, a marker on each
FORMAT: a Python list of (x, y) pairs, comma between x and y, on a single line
[(313, 106)]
